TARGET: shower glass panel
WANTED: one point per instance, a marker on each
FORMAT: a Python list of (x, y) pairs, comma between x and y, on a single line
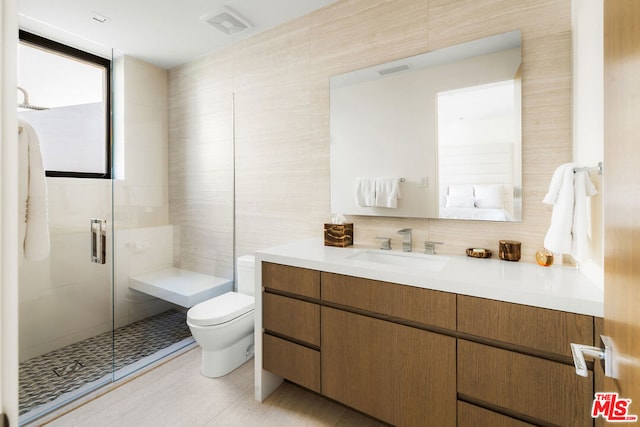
[(173, 202), (160, 196), (65, 299)]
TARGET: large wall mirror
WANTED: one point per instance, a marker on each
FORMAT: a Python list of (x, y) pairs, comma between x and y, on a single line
[(436, 135)]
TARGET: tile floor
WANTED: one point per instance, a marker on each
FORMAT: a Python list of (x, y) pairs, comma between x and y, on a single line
[(176, 394), (46, 378)]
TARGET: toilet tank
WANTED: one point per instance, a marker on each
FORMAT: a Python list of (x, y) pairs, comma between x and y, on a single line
[(246, 274)]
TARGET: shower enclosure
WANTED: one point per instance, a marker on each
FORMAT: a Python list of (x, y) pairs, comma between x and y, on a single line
[(80, 325)]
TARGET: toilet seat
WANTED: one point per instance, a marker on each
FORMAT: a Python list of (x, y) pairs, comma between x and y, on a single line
[(220, 309)]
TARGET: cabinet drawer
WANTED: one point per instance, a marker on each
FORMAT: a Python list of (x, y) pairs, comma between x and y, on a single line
[(292, 361), (405, 302), (300, 281), (539, 388), (293, 318), (542, 329), (472, 416)]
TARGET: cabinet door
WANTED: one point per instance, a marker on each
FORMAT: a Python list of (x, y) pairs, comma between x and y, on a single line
[(401, 375), (530, 386)]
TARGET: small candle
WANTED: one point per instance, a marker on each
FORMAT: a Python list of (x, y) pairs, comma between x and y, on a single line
[(544, 257)]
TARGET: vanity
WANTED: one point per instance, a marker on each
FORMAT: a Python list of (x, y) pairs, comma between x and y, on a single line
[(413, 339)]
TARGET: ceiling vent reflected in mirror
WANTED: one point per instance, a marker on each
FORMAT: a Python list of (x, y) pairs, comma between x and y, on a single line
[(227, 21), (392, 70)]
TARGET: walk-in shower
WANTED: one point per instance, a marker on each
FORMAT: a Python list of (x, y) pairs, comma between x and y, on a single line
[(104, 145)]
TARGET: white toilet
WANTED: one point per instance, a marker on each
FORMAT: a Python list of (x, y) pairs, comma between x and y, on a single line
[(223, 326)]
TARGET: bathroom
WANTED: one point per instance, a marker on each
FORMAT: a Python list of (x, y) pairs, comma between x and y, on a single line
[(274, 88)]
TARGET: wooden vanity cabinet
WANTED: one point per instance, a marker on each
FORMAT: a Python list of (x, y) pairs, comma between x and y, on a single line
[(291, 322), (416, 357), (515, 360), (377, 357), (401, 375)]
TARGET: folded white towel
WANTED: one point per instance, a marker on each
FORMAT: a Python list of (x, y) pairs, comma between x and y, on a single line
[(33, 219), (365, 192), (569, 229), (387, 192)]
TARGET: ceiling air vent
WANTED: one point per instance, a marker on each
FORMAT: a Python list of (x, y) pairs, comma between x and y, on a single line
[(227, 21), (396, 69)]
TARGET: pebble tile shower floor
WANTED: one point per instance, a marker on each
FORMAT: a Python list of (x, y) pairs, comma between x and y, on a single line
[(46, 377)]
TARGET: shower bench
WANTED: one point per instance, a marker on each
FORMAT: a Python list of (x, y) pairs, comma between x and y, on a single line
[(182, 287)]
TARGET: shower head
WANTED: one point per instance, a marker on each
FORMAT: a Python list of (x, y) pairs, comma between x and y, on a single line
[(32, 107), (25, 101)]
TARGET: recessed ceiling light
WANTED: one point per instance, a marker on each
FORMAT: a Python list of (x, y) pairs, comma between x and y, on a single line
[(227, 21)]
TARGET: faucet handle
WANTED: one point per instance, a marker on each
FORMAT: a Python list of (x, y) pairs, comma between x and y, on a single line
[(385, 243), (430, 247)]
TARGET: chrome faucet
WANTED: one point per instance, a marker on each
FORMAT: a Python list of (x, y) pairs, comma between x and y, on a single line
[(406, 239), (385, 243), (430, 247)]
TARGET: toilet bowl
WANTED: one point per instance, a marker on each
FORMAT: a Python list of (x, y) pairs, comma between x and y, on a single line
[(223, 326)]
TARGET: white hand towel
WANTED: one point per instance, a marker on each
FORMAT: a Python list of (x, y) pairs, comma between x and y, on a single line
[(33, 219), (387, 192), (561, 195), (365, 192), (570, 220)]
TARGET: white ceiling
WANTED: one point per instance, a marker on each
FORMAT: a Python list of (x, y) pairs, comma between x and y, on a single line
[(163, 32)]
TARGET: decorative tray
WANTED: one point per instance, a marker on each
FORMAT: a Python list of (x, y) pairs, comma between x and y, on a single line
[(479, 253)]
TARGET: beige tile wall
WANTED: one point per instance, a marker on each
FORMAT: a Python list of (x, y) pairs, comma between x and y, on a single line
[(201, 166), (280, 79)]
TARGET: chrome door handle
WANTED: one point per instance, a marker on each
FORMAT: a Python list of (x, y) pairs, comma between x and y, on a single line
[(580, 350), (98, 240)]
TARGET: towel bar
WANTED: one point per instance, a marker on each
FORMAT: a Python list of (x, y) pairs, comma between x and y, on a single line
[(590, 169)]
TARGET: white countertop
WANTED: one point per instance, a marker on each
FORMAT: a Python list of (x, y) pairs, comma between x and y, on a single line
[(556, 287)]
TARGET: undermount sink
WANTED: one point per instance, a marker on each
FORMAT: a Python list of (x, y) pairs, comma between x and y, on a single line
[(402, 259)]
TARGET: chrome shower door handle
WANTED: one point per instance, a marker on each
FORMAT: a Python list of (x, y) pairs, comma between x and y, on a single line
[(98, 240)]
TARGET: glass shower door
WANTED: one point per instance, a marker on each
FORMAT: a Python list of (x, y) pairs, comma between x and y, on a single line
[(65, 305), (66, 262)]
